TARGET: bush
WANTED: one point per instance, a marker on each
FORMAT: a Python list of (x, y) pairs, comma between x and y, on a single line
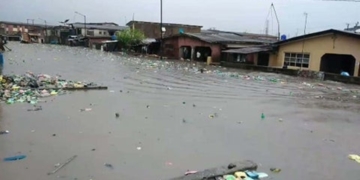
[(129, 38)]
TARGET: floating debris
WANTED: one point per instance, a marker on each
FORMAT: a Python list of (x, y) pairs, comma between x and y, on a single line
[(4, 132), (86, 109), (262, 116), (110, 166), (15, 158), (190, 172), (36, 108), (29, 87), (62, 165), (275, 170), (354, 157)]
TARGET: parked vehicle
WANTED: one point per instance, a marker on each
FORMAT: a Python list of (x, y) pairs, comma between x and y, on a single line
[(75, 40)]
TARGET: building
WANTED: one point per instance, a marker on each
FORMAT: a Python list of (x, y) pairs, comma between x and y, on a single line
[(199, 46), (14, 30), (152, 29), (96, 29), (330, 51), (96, 33)]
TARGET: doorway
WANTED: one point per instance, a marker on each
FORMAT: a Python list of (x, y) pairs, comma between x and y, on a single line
[(185, 52), (336, 63), (202, 53), (263, 59)]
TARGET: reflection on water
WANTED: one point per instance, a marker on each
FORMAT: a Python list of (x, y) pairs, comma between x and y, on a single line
[(167, 109)]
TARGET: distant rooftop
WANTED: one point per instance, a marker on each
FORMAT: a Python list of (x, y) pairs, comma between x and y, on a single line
[(260, 36), (24, 24), (98, 23), (319, 33), (229, 37), (164, 24), (101, 27)]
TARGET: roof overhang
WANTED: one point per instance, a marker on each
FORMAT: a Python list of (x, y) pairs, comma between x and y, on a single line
[(249, 50)]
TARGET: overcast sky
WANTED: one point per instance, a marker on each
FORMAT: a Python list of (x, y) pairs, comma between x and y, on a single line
[(234, 15)]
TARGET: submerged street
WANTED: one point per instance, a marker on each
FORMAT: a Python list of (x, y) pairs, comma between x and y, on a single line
[(172, 118)]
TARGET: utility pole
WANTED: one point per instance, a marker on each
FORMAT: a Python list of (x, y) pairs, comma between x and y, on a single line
[(306, 16), (303, 43), (161, 30), (45, 29), (84, 20)]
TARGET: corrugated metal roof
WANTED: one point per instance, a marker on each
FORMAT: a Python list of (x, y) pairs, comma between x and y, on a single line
[(101, 27), (224, 37), (249, 50), (164, 24), (329, 31)]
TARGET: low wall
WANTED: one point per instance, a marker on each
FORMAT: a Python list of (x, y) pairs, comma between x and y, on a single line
[(344, 79), (298, 73), (290, 72)]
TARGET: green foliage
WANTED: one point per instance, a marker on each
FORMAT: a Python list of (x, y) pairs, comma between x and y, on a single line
[(129, 38)]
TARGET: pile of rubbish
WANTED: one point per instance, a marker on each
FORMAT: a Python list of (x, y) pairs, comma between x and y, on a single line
[(29, 87), (247, 175)]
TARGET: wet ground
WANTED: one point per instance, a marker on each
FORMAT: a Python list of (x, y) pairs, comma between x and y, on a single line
[(173, 119)]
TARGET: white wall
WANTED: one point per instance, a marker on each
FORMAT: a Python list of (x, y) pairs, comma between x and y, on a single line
[(97, 32)]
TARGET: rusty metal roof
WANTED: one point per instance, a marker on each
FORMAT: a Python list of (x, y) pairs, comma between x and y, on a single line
[(249, 50), (164, 24), (100, 27), (228, 38)]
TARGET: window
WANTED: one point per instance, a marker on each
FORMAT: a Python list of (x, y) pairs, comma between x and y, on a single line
[(100, 32), (297, 59), (90, 33)]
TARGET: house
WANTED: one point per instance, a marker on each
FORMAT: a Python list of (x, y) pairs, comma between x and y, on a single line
[(152, 29), (330, 51), (198, 46), (96, 29), (14, 30), (96, 33)]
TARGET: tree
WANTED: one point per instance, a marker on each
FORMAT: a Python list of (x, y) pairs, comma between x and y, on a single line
[(130, 37)]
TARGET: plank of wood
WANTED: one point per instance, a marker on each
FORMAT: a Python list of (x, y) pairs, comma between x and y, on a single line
[(71, 88), (219, 171)]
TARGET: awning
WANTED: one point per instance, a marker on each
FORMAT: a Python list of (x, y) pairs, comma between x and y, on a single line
[(248, 50)]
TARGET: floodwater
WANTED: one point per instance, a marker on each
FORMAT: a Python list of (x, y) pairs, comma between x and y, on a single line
[(174, 119)]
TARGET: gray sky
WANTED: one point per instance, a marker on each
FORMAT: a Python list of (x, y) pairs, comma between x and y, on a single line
[(234, 15)]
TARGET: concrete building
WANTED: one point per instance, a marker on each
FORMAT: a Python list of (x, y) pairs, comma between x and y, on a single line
[(152, 29), (96, 32), (330, 51), (14, 30), (198, 46), (96, 29)]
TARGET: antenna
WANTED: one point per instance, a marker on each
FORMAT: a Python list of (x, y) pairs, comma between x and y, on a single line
[(306, 15), (133, 25), (267, 27), (277, 19)]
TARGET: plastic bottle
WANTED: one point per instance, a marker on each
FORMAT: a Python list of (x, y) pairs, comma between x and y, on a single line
[(262, 116)]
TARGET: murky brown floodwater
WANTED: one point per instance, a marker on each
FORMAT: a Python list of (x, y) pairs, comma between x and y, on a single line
[(320, 124)]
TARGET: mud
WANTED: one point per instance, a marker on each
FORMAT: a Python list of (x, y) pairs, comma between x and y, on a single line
[(309, 129)]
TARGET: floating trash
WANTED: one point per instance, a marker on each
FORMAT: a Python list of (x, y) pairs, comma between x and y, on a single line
[(4, 132), (29, 87), (354, 157), (15, 158), (275, 170)]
